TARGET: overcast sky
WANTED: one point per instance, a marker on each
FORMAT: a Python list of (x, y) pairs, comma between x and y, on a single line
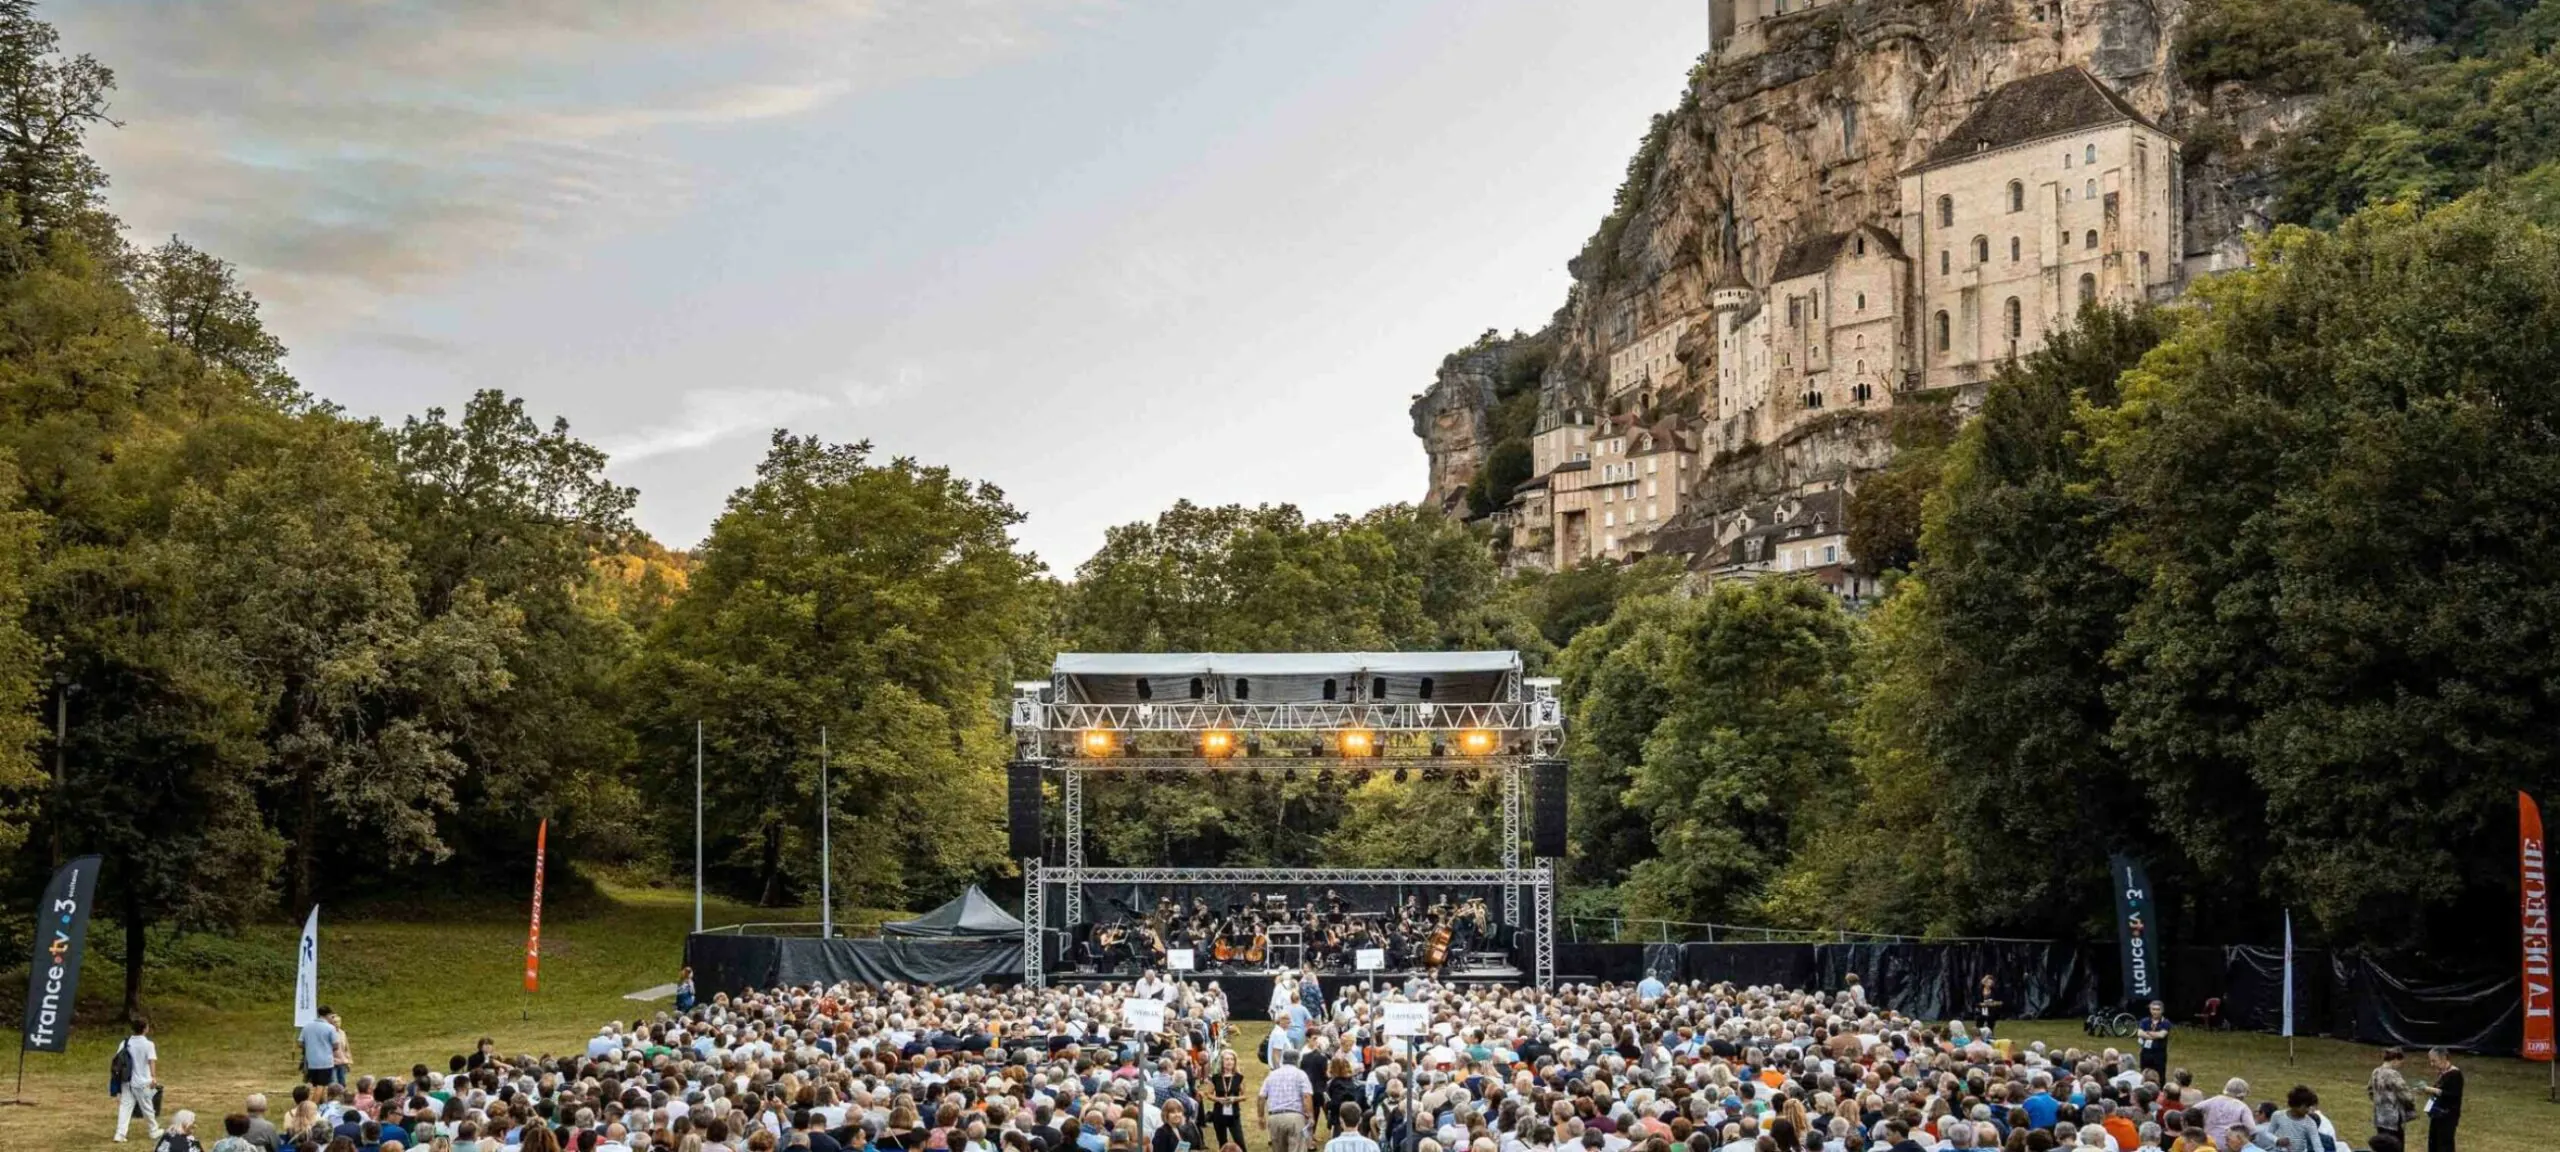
[(1103, 253)]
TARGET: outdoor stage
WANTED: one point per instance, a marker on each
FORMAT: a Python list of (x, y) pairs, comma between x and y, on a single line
[(1249, 993)]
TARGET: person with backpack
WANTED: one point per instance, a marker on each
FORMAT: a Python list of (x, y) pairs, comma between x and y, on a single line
[(133, 1078), (684, 990)]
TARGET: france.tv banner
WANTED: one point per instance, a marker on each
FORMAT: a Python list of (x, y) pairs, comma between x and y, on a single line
[(53, 977)]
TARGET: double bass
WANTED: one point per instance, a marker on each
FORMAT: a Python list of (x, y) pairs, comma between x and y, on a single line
[(1435, 952)]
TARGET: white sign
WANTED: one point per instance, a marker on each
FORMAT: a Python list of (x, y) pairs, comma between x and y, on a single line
[(1142, 1015), (306, 977), (1178, 959), (1370, 960), (1405, 1019)]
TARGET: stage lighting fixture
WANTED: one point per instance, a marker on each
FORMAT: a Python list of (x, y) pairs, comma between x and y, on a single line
[(1359, 742), (1476, 742), (1360, 777), (1215, 744), (1324, 777), (1291, 774), (1099, 742), (1439, 747), (1400, 774)]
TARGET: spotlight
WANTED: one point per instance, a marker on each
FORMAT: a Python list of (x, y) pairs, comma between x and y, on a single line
[(1360, 778), (1291, 774), (1215, 744), (1439, 747), (1099, 742), (1476, 742), (1324, 777), (1400, 773), (1359, 742)]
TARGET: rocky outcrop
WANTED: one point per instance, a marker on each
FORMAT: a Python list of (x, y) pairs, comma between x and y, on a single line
[(1801, 129)]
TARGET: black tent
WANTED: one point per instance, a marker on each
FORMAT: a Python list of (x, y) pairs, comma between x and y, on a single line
[(969, 916)]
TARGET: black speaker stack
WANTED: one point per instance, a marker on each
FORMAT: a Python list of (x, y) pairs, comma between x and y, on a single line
[(1022, 797), (1546, 807)]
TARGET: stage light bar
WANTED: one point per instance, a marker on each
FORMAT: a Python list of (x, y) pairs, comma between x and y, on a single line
[(1217, 744), (1359, 742), (1477, 742), (1098, 741)]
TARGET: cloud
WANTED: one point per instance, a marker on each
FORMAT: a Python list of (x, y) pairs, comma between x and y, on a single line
[(708, 416), (343, 151)]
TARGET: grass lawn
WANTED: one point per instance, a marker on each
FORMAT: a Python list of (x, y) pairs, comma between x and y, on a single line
[(410, 991), (2508, 1109)]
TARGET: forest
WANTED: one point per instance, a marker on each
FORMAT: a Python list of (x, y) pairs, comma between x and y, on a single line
[(2260, 587)]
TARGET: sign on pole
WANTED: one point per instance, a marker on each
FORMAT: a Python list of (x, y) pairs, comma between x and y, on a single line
[(1142, 1014), (533, 933), (1370, 960), (1178, 959), (1405, 1019), (2137, 937), (53, 977), (306, 973)]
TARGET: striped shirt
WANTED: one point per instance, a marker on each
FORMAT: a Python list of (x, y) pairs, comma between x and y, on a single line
[(1287, 1090)]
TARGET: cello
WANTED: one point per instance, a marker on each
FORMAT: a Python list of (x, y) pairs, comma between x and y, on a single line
[(1435, 952)]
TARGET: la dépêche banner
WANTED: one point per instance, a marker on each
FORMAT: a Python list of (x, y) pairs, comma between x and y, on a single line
[(533, 934), (2137, 935), (2537, 930), (53, 976)]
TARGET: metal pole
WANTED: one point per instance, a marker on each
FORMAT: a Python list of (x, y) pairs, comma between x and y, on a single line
[(826, 847), (697, 825)]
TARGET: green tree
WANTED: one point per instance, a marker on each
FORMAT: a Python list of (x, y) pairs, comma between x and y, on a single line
[(2336, 484), (1749, 755), (48, 103), (882, 603)]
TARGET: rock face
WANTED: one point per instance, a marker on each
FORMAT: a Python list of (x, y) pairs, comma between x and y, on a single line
[(1799, 126), (1455, 415)]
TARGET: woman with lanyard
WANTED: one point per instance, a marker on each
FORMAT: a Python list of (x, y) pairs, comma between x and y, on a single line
[(1225, 1100)]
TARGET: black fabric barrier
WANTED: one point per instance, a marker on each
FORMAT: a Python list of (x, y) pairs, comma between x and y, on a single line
[(734, 964), (1610, 963), (2475, 1014), (1930, 981)]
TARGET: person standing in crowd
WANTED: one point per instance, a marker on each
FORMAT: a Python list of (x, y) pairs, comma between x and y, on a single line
[(2153, 1031), (2389, 1091), (2444, 1101), (684, 989), (2296, 1128), (2227, 1111), (1986, 1005), (1175, 1133), (1225, 1100), (1282, 1108), (1651, 988), (342, 1057), (320, 1044), (135, 1093), (1346, 1121)]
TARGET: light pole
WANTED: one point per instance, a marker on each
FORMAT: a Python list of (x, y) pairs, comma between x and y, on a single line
[(697, 826), (826, 848)]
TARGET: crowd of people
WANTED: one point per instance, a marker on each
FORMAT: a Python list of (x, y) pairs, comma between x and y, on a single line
[(1646, 1067)]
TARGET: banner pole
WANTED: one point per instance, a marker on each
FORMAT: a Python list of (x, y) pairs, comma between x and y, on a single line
[(18, 1096)]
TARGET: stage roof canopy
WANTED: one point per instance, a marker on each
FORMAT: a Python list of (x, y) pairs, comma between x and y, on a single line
[(1287, 677), (968, 916)]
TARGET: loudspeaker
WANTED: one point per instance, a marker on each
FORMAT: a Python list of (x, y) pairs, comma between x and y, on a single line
[(1546, 808), (1022, 804)]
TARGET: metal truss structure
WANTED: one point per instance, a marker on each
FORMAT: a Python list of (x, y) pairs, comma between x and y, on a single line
[(1538, 720)]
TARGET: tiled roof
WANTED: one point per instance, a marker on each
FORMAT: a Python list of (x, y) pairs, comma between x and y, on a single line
[(1806, 257), (2067, 100)]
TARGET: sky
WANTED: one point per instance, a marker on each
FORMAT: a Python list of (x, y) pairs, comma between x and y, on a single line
[(1104, 254)]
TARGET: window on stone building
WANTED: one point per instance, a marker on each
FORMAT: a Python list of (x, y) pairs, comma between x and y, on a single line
[(1945, 263), (2013, 319), (2088, 288), (2013, 249), (1946, 211), (1862, 301), (2091, 192), (1860, 244), (2017, 196), (2090, 154), (2146, 267), (1944, 331), (1981, 250), (2090, 241)]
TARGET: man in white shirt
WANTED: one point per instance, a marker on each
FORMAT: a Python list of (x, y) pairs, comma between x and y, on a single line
[(1350, 1140), (138, 1088)]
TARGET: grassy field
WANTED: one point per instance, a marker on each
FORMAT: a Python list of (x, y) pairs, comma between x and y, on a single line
[(410, 991), (419, 990)]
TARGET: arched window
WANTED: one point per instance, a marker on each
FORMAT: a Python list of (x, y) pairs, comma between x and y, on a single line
[(2090, 241), (1946, 211), (2089, 155), (1981, 249), (2013, 249), (1862, 301), (2012, 319), (1943, 267), (1944, 340), (2017, 196), (2088, 288), (1860, 245), (2091, 192)]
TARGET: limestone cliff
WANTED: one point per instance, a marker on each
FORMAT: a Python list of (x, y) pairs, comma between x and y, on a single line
[(1801, 128)]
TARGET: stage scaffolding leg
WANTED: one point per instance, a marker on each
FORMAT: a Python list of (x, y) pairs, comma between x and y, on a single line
[(1511, 840), (1546, 925), (1071, 895), (1034, 925)]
